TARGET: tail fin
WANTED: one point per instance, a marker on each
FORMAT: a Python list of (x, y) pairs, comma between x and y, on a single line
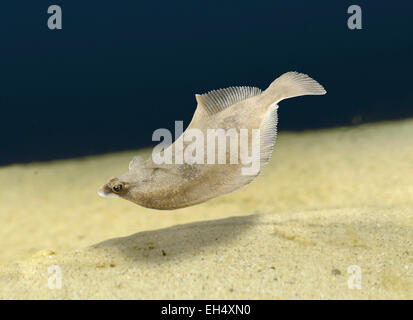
[(293, 84)]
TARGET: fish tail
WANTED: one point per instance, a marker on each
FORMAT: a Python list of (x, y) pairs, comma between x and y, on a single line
[(293, 84)]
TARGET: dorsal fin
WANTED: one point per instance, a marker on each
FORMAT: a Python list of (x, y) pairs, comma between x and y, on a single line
[(217, 100)]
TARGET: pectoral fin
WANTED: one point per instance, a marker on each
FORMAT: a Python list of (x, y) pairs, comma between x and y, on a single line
[(135, 163)]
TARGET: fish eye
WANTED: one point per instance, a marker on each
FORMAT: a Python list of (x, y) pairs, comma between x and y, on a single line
[(117, 188)]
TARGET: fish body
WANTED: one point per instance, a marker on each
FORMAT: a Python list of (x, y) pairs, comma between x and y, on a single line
[(180, 184)]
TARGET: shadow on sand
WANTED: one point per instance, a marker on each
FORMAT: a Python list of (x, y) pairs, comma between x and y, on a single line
[(181, 241)]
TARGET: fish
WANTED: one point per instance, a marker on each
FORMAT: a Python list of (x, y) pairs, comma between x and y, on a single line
[(178, 184)]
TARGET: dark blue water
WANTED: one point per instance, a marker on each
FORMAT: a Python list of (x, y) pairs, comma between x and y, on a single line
[(118, 70)]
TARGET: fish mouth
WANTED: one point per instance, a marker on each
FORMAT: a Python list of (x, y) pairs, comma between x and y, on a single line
[(105, 192)]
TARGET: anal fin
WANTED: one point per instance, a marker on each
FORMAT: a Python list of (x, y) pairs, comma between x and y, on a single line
[(268, 134)]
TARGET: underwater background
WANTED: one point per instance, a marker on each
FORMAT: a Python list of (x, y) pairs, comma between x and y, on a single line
[(118, 71)]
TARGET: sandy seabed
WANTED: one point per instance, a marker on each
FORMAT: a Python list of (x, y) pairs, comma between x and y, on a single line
[(328, 200)]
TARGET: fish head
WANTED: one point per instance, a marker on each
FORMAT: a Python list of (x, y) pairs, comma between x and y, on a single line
[(114, 188), (126, 186)]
